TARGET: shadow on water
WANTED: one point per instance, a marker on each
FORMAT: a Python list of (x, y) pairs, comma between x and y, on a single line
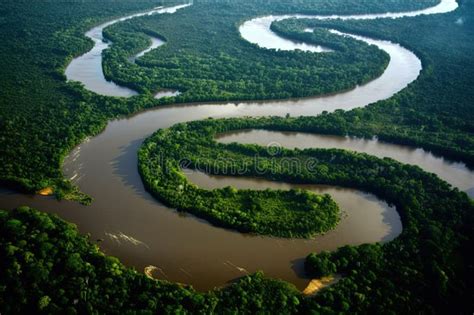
[(391, 219), (470, 192), (297, 265), (125, 166)]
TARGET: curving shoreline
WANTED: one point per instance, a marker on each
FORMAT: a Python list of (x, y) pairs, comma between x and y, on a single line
[(455, 173), (155, 43), (268, 39), (87, 68), (106, 168)]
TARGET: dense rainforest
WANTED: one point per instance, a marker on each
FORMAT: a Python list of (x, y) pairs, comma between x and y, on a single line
[(433, 213), (427, 269), (41, 116), (47, 266), (232, 69), (294, 213), (36, 51), (435, 111)]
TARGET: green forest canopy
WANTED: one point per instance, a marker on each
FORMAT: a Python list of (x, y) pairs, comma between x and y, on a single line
[(427, 269)]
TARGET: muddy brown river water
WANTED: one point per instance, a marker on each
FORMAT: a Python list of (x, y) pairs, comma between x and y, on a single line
[(142, 232)]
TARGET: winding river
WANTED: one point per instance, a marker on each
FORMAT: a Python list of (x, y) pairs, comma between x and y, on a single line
[(455, 173), (87, 68), (142, 232)]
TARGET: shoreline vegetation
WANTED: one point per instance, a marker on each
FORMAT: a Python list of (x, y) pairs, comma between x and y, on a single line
[(34, 174), (48, 267), (432, 212), (436, 237)]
